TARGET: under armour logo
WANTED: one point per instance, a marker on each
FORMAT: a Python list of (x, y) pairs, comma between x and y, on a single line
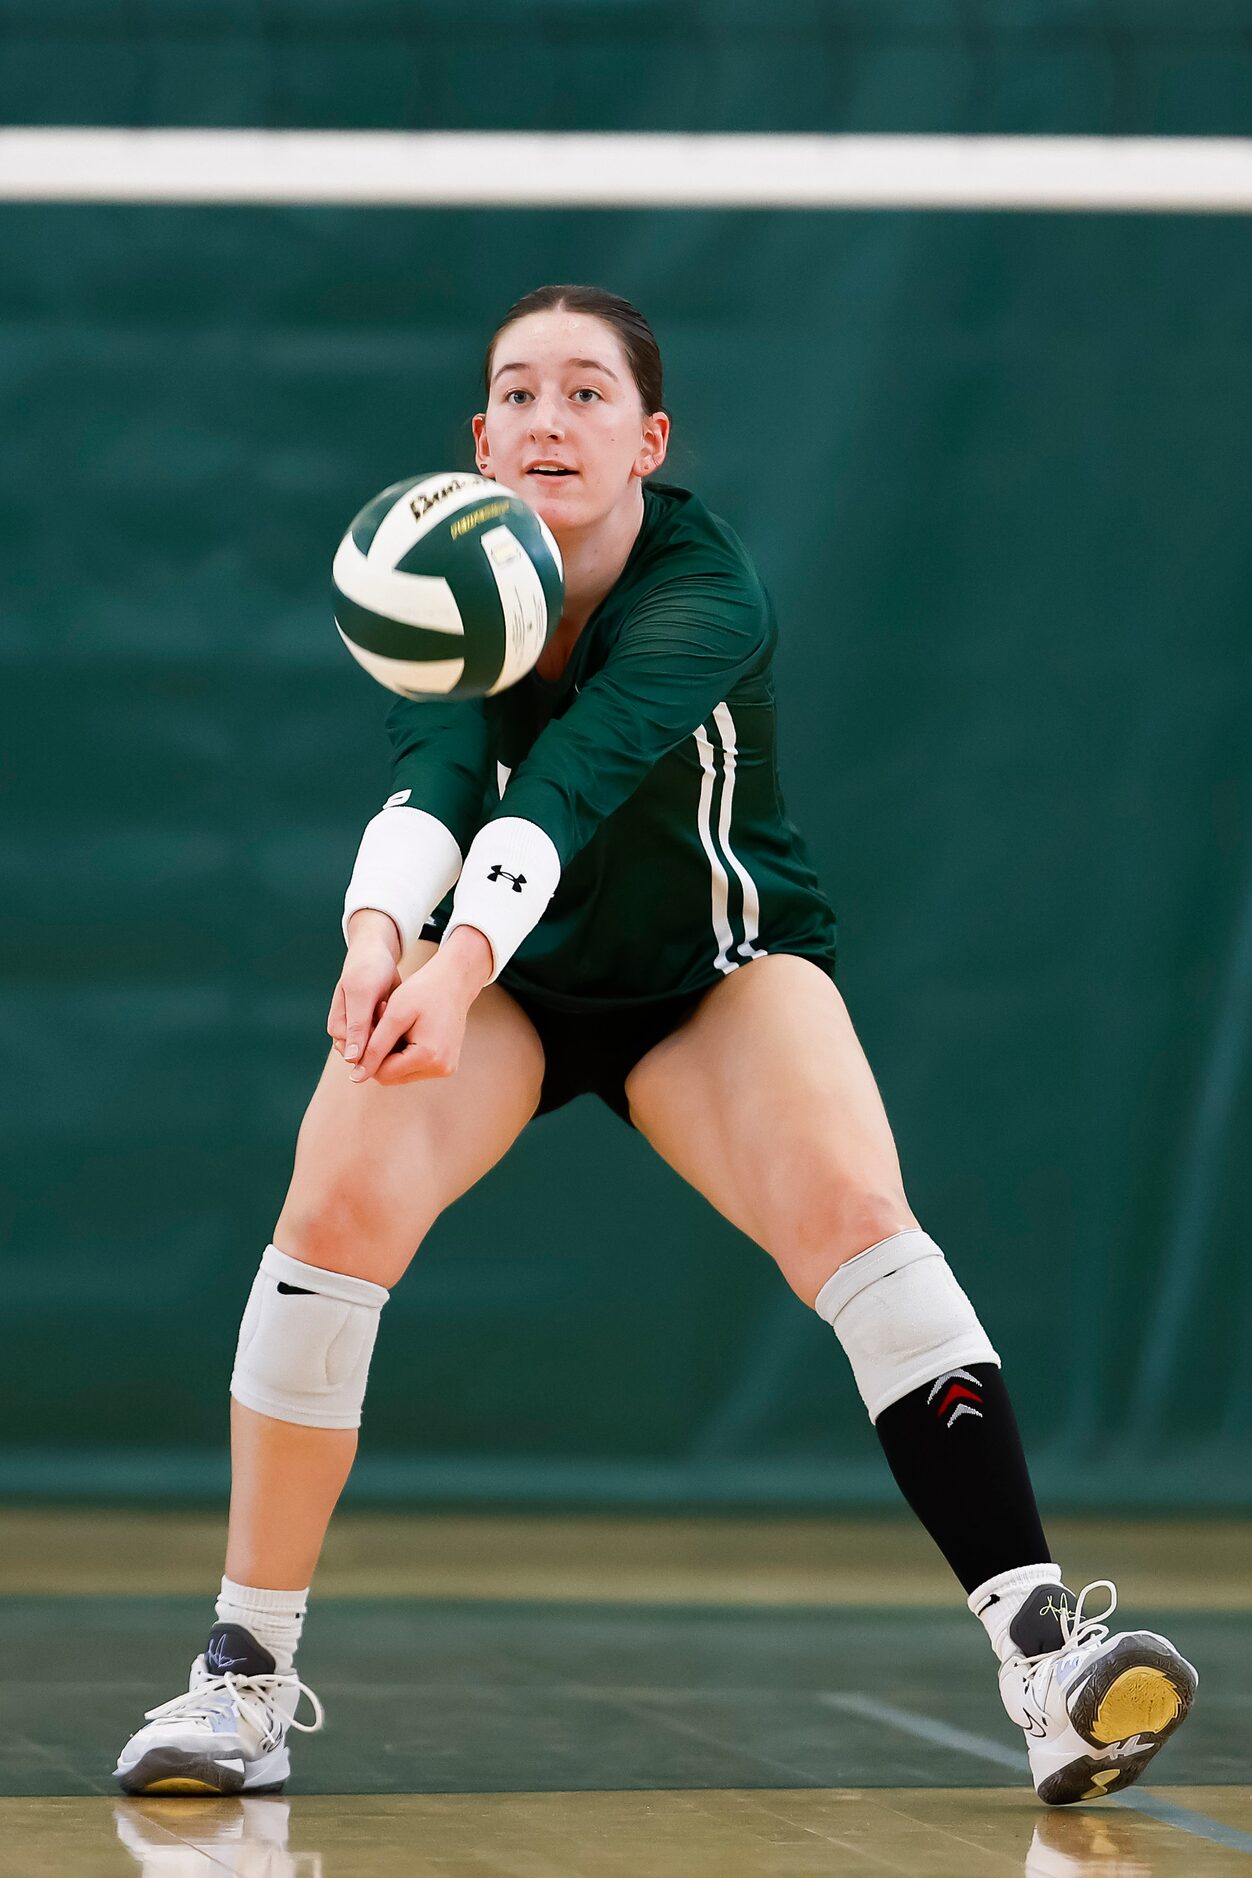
[(497, 872), (958, 1398)]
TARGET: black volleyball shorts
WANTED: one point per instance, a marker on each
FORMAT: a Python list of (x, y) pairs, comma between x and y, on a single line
[(593, 1052)]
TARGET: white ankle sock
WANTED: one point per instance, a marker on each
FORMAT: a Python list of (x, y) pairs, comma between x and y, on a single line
[(996, 1602), (275, 1618)]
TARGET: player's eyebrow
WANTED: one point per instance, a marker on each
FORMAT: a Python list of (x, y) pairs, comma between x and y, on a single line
[(588, 365)]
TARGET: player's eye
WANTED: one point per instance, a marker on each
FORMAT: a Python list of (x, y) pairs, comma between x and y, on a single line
[(585, 392), (515, 395)]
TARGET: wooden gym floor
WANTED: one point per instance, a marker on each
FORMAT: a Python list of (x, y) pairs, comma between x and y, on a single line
[(578, 1697)]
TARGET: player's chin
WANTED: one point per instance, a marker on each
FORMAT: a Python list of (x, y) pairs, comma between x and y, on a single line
[(558, 499)]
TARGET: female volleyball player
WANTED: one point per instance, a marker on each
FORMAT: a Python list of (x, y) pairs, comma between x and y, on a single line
[(633, 916)]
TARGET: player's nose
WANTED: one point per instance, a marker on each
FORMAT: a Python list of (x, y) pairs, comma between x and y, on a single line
[(546, 418)]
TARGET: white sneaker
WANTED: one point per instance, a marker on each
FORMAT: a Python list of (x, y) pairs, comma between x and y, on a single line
[(1095, 1708), (228, 1733)]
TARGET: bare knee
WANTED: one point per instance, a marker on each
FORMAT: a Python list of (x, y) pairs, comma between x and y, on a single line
[(828, 1220), (341, 1228)]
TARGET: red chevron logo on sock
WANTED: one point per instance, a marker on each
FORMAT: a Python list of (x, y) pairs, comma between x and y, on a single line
[(958, 1399), (955, 1394)]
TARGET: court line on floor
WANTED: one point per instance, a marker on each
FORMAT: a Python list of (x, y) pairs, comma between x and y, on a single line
[(943, 1735), (645, 1711), (40, 1751)]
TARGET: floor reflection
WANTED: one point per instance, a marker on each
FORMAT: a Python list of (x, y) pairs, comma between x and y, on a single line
[(173, 1838), (1088, 1845), (758, 1833)]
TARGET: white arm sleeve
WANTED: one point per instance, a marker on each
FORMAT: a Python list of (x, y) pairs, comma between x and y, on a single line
[(510, 874), (404, 866)]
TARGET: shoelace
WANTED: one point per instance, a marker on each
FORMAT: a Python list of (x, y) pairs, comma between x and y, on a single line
[(1077, 1629), (248, 1691)]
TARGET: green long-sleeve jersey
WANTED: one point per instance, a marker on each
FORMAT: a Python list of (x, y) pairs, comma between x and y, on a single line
[(651, 764)]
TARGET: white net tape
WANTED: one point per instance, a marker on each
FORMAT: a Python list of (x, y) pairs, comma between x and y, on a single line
[(507, 170)]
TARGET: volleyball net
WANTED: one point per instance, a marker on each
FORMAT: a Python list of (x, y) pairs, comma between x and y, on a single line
[(450, 169)]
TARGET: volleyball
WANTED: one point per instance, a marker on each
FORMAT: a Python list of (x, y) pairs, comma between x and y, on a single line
[(447, 586)]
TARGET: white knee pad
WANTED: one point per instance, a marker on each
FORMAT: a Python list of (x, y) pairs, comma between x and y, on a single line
[(305, 1343), (902, 1319)]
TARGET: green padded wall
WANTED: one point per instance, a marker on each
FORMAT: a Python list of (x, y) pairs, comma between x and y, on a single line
[(994, 469)]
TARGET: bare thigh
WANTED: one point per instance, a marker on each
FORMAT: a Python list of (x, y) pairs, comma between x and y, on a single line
[(764, 1102), (376, 1166)]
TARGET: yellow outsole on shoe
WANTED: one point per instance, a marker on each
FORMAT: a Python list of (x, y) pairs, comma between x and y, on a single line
[(180, 1783), (1140, 1701), (1103, 1782)]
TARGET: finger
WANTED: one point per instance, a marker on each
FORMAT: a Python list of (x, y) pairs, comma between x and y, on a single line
[(336, 1018), (412, 1064), (363, 1008), (388, 1030)]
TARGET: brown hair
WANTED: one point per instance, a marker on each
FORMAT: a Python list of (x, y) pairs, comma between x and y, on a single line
[(638, 339)]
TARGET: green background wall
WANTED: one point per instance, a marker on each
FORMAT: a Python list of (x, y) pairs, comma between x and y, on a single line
[(995, 470)]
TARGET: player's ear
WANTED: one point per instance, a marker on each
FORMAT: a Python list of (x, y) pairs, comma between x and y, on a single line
[(482, 453), (655, 443)]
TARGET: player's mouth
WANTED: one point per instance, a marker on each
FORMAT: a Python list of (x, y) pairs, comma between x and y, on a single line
[(551, 472)]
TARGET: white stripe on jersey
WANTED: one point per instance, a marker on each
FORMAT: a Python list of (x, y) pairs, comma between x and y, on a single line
[(719, 883), (751, 899)]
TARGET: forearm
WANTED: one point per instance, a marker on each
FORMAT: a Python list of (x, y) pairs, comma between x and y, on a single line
[(405, 865), (509, 876), (466, 956), (371, 923)]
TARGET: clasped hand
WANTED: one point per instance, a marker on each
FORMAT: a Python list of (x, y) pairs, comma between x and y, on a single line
[(396, 1031)]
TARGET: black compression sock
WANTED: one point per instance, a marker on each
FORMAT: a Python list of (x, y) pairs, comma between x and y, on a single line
[(957, 1457)]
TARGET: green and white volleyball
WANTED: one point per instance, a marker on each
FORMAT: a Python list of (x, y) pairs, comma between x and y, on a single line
[(447, 586)]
